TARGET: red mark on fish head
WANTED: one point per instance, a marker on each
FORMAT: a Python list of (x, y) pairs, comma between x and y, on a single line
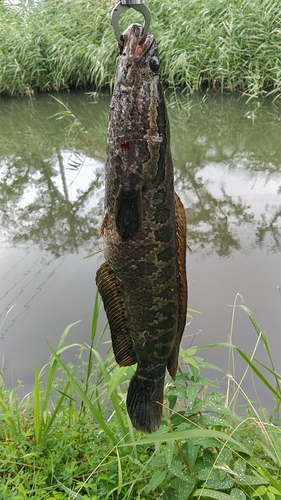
[(125, 145)]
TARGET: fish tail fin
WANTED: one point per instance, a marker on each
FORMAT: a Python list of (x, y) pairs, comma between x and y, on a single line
[(144, 402)]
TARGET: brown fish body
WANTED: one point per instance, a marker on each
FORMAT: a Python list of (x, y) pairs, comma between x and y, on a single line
[(143, 282)]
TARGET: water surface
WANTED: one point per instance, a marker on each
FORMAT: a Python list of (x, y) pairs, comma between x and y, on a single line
[(227, 157)]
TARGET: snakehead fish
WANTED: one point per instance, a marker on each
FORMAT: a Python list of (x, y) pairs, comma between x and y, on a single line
[(143, 281)]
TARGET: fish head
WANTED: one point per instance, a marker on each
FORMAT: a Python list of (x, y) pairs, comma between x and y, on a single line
[(138, 114), (138, 60)]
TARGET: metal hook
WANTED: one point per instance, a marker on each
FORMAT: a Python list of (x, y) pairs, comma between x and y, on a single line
[(121, 7)]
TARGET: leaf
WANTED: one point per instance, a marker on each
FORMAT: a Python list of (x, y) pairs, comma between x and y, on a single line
[(177, 391), (206, 493), (271, 496), (178, 419), (206, 382), (188, 352), (240, 467), (172, 401), (236, 494), (183, 377), (192, 449), (157, 478), (208, 458), (192, 363), (273, 490), (222, 410), (242, 478), (191, 394), (169, 452), (210, 366), (182, 489), (224, 457), (213, 479), (176, 470), (214, 397), (185, 488), (211, 421), (249, 480), (71, 494), (260, 491)]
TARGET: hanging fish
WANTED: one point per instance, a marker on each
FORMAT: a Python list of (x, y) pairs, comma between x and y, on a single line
[(143, 280)]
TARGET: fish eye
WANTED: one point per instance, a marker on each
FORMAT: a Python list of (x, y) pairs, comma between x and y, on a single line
[(154, 64)]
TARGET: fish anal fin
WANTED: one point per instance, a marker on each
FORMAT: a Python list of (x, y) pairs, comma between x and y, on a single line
[(111, 293), (180, 219), (128, 212)]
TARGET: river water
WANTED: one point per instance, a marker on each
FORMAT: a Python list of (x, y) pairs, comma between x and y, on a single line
[(227, 157)]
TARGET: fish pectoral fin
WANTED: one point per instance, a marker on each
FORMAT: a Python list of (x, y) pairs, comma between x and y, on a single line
[(111, 294), (180, 219), (128, 212)]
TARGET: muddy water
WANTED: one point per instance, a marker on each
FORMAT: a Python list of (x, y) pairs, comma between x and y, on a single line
[(227, 157)]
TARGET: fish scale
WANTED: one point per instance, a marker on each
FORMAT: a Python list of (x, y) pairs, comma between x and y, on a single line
[(143, 280)]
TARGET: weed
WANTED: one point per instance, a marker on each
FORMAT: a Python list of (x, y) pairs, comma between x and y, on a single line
[(205, 44), (72, 438)]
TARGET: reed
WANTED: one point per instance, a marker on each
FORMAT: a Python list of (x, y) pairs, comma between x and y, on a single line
[(229, 46)]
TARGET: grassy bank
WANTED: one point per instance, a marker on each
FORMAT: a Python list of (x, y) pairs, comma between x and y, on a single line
[(71, 437), (224, 46)]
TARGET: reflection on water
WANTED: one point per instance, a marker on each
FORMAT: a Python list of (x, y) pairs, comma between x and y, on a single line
[(51, 179), (228, 164), (227, 172)]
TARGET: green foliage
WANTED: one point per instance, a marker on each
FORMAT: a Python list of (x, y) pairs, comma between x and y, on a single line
[(72, 438), (233, 46)]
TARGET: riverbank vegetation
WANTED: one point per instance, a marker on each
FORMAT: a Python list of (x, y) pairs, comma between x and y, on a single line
[(229, 46), (71, 437)]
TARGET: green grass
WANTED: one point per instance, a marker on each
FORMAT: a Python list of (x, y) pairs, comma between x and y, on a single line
[(204, 44), (72, 438)]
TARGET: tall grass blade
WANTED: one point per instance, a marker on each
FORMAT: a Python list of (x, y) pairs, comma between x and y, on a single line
[(266, 346), (12, 429), (93, 336), (49, 423), (36, 408), (95, 316), (44, 400), (258, 373), (161, 437), (96, 414), (112, 394), (120, 475)]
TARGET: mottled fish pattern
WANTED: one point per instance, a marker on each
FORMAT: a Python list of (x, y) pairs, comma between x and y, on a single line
[(143, 280)]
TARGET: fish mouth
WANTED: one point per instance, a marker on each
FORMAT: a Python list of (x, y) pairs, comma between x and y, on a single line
[(135, 45)]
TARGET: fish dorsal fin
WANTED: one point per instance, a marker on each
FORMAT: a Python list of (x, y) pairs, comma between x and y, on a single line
[(128, 212), (111, 293), (182, 283)]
